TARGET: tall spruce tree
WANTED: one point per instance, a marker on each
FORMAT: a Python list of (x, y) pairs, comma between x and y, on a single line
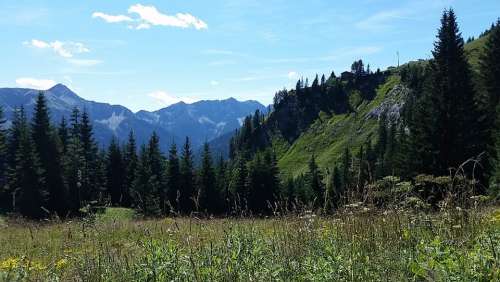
[(73, 162), (209, 196), (221, 176), (157, 167), (115, 173), (13, 145), (26, 178), (89, 188), (131, 160), (48, 148), (187, 179), (315, 183), (444, 131), (173, 178)]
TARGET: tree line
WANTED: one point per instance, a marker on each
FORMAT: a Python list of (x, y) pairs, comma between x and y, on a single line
[(48, 170)]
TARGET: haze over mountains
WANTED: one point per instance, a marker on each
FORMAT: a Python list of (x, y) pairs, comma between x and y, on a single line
[(201, 121)]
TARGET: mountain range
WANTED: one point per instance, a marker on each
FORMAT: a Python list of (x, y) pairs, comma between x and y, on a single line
[(202, 121)]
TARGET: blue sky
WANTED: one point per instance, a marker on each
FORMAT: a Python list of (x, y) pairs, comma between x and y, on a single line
[(148, 54)]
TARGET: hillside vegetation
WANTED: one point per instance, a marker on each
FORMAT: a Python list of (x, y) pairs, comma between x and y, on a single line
[(329, 134)]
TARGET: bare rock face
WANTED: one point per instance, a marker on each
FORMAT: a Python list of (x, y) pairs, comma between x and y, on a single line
[(392, 104)]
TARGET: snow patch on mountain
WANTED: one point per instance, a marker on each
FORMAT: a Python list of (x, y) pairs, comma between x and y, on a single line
[(204, 119), (114, 121)]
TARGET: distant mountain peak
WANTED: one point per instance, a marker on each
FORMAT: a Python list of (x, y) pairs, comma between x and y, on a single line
[(59, 88)]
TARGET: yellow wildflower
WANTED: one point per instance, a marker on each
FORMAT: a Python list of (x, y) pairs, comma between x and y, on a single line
[(60, 264), (9, 264)]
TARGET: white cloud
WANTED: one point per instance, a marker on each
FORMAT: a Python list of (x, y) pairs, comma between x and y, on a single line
[(148, 16), (40, 84), (39, 44), (151, 16), (84, 63), (63, 49), (167, 99), (293, 75), (111, 18), (214, 83)]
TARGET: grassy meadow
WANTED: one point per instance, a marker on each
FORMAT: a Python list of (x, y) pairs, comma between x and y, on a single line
[(355, 245)]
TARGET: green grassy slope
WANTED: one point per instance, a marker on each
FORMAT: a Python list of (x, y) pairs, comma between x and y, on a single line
[(328, 136)]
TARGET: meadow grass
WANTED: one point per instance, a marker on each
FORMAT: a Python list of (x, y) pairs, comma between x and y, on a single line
[(456, 245)]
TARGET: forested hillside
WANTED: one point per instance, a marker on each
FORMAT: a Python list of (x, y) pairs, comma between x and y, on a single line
[(329, 131)]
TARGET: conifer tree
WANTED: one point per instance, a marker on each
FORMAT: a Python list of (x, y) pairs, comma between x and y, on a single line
[(173, 178), (89, 151), (315, 84), (444, 131), (315, 183), (208, 195), (157, 167), (187, 179), (73, 162), (13, 145), (131, 160), (26, 178), (48, 149), (115, 173), (14, 136), (222, 183)]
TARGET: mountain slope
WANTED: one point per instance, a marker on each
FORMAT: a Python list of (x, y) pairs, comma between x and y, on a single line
[(202, 121), (330, 133)]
